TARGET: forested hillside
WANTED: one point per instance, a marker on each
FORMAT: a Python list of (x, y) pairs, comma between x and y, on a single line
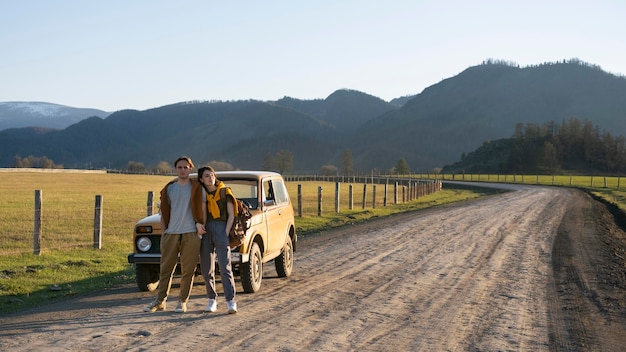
[(485, 103), (571, 146)]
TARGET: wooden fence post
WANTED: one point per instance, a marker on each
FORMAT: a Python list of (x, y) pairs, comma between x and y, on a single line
[(385, 196), (395, 192), (374, 196), (350, 198), (37, 231), (319, 201), (337, 187), (300, 200), (150, 202), (97, 223), (364, 193)]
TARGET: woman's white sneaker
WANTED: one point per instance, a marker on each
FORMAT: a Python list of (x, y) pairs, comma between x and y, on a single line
[(232, 306), (211, 307)]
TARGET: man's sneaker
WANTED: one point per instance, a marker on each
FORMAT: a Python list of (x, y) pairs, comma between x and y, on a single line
[(232, 306), (181, 307), (211, 307), (154, 306)]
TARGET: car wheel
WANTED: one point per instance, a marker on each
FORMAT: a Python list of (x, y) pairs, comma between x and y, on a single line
[(284, 262), (147, 276), (252, 271)]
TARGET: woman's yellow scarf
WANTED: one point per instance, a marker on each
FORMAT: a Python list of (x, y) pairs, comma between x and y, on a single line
[(212, 199)]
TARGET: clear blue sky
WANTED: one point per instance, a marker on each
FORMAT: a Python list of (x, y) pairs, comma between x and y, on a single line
[(125, 54)]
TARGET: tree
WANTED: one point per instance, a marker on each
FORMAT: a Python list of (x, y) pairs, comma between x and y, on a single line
[(136, 167), (550, 161), (35, 162), (163, 168), (284, 161), (220, 165), (328, 170), (402, 167), (346, 162), (45, 163)]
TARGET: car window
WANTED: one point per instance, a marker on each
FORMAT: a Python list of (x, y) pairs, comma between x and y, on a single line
[(280, 192), (246, 191), (268, 190)]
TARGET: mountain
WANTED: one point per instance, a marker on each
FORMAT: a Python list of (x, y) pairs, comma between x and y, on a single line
[(344, 109), (484, 103), (429, 130), (242, 133), (45, 115)]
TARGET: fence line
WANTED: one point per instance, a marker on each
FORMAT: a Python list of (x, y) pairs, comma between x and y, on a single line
[(556, 180), (610, 182), (77, 225), (410, 189)]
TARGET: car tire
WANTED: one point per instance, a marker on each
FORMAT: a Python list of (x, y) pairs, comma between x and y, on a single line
[(147, 276), (284, 262), (252, 271)]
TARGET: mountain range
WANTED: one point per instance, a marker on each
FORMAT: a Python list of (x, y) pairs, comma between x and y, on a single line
[(17, 114), (429, 130)]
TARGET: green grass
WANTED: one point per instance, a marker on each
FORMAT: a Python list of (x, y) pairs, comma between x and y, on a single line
[(27, 280), (68, 263)]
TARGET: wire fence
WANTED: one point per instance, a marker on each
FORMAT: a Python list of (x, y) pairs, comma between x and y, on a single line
[(586, 181), (32, 223)]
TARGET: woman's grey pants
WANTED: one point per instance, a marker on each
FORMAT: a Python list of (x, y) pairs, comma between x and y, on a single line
[(215, 241)]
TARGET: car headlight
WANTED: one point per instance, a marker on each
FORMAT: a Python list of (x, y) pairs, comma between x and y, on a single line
[(144, 244)]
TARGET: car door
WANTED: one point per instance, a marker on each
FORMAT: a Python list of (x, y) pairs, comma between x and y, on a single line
[(278, 212)]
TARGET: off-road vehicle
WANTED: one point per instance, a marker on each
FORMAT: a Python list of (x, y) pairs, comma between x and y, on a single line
[(271, 235)]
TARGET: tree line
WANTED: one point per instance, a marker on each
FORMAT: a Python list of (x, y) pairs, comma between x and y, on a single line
[(281, 162), (570, 145)]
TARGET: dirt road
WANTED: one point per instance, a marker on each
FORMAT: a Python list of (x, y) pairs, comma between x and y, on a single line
[(477, 276)]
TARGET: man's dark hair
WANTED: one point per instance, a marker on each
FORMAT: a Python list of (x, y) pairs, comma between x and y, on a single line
[(186, 158)]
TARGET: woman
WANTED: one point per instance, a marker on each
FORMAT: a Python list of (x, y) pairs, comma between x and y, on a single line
[(219, 217)]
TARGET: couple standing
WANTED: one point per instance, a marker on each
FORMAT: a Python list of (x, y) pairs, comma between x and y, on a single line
[(195, 221)]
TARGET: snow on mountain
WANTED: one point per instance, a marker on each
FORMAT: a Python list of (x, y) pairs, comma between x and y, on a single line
[(14, 114)]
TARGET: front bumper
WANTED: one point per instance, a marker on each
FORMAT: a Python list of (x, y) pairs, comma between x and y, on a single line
[(137, 258)]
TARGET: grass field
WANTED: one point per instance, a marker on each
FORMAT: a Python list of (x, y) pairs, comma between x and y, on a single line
[(68, 263)]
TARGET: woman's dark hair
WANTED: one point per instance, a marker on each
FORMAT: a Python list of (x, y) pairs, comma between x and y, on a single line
[(204, 169)]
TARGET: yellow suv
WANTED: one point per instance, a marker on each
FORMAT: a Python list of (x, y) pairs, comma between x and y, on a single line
[(271, 235)]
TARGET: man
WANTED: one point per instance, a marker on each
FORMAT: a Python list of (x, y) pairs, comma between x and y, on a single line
[(181, 221)]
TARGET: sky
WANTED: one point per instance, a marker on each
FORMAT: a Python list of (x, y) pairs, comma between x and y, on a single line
[(141, 54)]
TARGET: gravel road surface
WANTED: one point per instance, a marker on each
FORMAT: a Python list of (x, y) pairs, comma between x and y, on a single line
[(535, 269)]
